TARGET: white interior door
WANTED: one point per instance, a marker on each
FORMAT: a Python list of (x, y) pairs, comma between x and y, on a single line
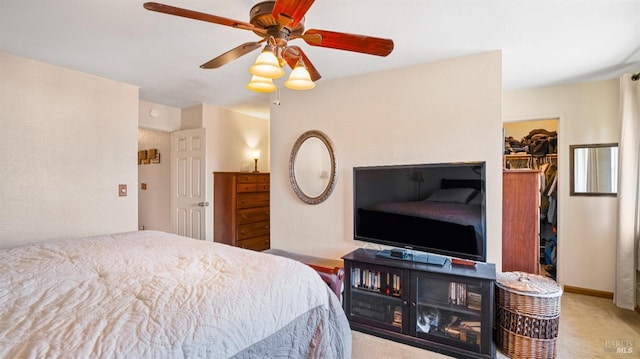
[(188, 189)]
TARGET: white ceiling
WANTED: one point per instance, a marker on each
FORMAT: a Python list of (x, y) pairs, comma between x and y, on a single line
[(544, 42)]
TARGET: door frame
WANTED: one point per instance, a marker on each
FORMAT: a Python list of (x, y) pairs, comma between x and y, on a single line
[(563, 182)]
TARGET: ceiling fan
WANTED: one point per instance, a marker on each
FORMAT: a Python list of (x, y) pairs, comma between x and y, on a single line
[(276, 23)]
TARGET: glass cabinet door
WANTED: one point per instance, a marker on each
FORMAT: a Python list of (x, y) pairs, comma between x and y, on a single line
[(376, 297), (448, 311)]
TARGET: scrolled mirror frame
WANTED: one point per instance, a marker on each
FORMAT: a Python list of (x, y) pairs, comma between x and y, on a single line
[(334, 167)]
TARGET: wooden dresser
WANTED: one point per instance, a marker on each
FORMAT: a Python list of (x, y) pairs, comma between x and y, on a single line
[(521, 221), (241, 209)]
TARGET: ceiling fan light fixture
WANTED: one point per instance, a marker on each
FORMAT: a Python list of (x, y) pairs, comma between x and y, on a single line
[(300, 79), (267, 65), (276, 22), (261, 84)]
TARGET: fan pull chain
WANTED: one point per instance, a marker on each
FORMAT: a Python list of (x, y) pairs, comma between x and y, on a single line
[(276, 97)]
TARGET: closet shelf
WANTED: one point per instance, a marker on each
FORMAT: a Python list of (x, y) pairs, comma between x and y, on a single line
[(524, 160)]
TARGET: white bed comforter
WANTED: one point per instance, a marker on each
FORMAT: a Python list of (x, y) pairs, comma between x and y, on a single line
[(151, 294)]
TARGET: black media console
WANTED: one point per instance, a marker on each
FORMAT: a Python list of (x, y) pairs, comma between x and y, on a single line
[(444, 307)]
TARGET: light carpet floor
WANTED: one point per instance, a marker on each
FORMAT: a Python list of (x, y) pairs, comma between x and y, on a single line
[(590, 327)]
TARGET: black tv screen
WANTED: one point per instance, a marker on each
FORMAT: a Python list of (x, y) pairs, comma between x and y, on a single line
[(435, 208)]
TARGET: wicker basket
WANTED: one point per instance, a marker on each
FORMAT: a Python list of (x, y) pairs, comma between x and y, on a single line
[(528, 315)]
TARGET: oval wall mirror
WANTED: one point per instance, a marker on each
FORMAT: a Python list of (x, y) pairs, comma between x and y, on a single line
[(313, 167)]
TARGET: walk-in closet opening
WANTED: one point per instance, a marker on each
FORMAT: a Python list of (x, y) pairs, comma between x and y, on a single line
[(530, 196)]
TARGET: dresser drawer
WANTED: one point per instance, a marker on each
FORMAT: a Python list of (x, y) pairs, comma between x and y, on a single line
[(250, 200), (263, 179), (252, 187), (245, 231), (251, 215), (262, 187), (257, 244), (246, 187), (253, 178)]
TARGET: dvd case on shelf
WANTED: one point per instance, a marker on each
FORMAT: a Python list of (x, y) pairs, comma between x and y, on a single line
[(372, 280)]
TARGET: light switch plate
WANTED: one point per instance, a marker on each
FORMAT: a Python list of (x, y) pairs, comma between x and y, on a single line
[(122, 190)]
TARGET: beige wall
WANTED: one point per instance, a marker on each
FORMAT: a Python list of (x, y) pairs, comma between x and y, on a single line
[(588, 113), (69, 139), (438, 112), (233, 136)]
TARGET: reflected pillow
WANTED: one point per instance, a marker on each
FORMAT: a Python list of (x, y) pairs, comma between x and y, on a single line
[(476, 200), (455, 195)]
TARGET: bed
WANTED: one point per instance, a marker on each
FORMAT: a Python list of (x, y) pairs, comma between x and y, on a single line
[(450, 219), (151, 294)]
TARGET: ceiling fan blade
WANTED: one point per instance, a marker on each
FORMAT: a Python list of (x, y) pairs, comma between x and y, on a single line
[(349, 42), (292, 11), (231, 55), (293, 53), (172, 10)]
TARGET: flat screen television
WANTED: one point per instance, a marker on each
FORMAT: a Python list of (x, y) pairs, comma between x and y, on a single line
[(436, 208)]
